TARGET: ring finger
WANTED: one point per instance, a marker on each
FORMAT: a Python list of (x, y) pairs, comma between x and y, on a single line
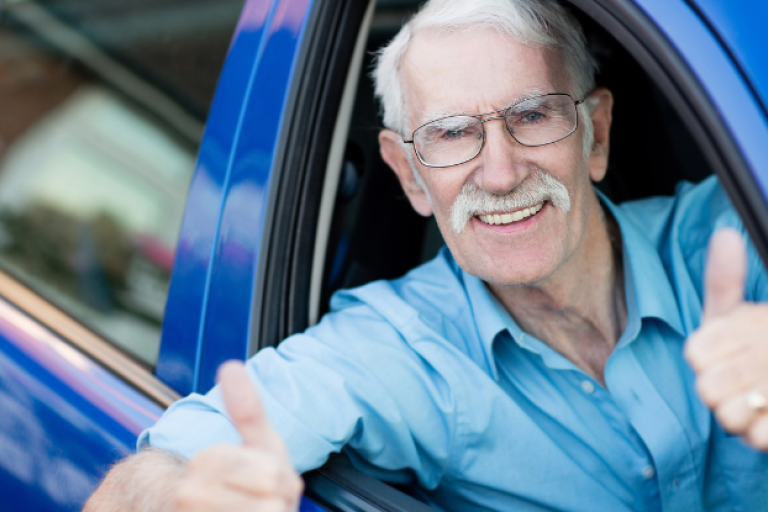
[(737, 413)]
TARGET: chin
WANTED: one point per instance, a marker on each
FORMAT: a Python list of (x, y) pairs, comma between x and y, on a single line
[(512, 274), (515, 280)]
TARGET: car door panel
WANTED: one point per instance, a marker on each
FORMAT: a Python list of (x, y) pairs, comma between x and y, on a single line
[(230, 296), (65, 419), (201, 237)]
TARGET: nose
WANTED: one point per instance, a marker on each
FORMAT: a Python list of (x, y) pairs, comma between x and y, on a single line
[(502, 159)]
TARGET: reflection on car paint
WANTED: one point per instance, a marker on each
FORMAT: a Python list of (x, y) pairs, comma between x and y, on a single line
[(61, 414)]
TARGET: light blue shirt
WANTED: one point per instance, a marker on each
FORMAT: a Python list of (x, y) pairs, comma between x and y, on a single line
[(427, 379)]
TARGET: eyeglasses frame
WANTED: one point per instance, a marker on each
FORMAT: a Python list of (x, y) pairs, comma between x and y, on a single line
[(576, 103)]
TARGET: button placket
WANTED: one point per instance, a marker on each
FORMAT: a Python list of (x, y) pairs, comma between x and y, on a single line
[(667, 446), (649, 472), (587, 387)]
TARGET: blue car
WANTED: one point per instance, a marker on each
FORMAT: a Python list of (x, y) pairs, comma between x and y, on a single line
[(187, 182)]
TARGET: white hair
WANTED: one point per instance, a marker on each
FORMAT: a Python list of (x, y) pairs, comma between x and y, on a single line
[(536, 23)]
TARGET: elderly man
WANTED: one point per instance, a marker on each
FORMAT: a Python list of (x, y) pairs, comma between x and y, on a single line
[(537, 363)]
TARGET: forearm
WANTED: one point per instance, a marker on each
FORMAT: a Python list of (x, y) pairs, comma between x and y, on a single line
[(145, 482)]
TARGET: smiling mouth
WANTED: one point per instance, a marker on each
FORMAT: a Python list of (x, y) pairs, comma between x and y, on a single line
[(496, 219)]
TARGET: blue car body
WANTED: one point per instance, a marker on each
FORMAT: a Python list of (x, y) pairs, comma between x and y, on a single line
[(65, 416)]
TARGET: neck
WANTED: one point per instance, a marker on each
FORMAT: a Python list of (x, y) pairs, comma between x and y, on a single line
[(580, 310)]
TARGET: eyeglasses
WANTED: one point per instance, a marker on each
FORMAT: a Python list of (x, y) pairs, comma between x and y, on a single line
[(534, 121)]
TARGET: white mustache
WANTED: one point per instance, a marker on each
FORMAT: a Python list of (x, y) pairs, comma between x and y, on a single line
[(537, 188)]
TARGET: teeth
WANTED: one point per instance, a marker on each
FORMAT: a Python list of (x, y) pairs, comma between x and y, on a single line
[(506, 218)]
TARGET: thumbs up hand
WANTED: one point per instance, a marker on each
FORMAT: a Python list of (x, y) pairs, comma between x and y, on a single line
[(255, 476), (729, 351)]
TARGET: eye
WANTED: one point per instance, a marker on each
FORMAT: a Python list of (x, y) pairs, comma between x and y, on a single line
[(532, 117), (449, 130), (453, 134)]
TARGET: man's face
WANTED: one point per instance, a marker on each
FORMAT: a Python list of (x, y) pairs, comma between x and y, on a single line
[(482, 71)]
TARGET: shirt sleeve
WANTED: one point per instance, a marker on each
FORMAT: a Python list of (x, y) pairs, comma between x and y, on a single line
[(353, 380)]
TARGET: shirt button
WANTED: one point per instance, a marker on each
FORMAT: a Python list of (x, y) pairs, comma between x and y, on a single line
[(649, 472), (588, 387)]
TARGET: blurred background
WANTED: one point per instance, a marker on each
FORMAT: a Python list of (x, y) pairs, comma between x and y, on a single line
[(102, 108)]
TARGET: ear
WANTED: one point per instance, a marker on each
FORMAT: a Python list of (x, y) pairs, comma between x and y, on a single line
[(393, 152), (601, 120)]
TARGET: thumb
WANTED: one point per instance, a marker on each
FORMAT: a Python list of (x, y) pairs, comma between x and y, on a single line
[(725, 273), (244, 406)]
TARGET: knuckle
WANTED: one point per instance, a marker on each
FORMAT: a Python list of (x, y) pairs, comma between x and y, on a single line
[(187, 496), (298, 484), (753, 311), (730, 422), (762, 444), (757, 435), (757, 439), (691, 345), (707, 392), (197, 464), (271, 482), (210, 457), (270, 477), (183, 502), (294, 487), (275, 505), (278, 478), (694, 350)]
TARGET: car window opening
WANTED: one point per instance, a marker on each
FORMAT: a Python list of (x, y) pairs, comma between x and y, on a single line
[(375, 234)]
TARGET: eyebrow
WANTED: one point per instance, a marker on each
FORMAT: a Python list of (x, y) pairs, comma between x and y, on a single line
[(434, 116), (531, 95)]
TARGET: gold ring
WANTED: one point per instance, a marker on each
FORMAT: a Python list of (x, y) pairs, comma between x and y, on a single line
[(757, 401)]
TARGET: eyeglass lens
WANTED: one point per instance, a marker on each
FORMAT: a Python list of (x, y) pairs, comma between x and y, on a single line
[(532, 122)]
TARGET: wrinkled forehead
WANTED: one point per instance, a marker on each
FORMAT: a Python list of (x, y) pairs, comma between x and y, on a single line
[(472, 71)]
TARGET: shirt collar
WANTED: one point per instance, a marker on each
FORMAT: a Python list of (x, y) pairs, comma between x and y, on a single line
[(644, 273), (649, 297)]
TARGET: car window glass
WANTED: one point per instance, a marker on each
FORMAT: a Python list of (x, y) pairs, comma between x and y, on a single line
[(104, 103)]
